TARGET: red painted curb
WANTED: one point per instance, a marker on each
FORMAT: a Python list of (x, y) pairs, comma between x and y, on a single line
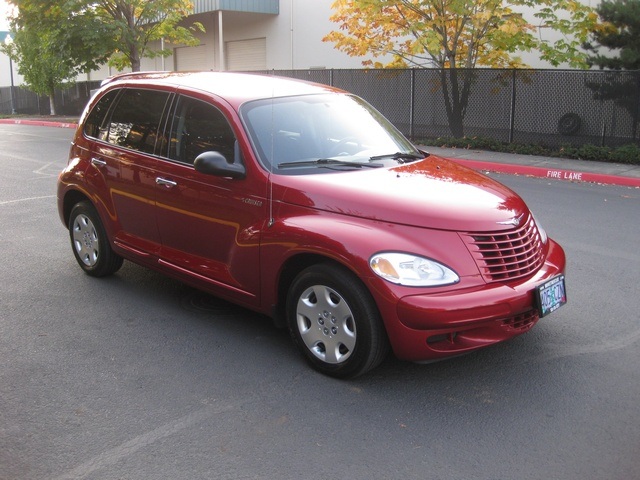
[(39, 123), (551, 173)]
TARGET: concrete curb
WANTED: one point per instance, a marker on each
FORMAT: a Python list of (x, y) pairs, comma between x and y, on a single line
[(39, 123), (550, 173)]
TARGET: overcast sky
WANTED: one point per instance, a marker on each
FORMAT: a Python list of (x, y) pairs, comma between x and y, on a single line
[(4, 23)]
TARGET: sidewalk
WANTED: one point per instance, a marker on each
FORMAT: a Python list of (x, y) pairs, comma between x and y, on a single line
[(530, 165), (544, 167)]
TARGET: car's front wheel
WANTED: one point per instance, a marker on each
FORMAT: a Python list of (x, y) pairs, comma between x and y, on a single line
[(90, 243), (335, 322)]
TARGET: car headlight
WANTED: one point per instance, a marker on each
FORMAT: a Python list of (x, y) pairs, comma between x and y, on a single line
[(411, 270), (542, 231)]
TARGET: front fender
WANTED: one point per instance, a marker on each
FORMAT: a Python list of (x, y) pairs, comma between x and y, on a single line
[(300, 233)]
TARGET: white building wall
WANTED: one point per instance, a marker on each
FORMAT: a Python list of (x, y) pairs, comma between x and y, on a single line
[(293, 37), (293, 41), (296, 38)]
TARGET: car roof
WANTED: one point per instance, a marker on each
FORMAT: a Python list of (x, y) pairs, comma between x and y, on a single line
[(236, 88)]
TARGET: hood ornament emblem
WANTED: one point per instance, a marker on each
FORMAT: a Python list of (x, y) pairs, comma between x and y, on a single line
[(515, 221)]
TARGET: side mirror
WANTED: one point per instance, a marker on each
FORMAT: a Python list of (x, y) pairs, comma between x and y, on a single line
[(214, 163)]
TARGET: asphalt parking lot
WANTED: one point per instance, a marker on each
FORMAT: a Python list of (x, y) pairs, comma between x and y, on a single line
[(138, 376)]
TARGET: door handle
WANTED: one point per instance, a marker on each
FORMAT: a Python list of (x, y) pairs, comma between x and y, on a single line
[(98, 162), (165, 183)]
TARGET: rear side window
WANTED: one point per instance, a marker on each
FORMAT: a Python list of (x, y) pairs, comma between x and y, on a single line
[(95, 122), (135, 121), (199, 127)]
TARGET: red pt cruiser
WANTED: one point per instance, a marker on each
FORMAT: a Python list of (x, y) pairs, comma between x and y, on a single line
[(302, 202)]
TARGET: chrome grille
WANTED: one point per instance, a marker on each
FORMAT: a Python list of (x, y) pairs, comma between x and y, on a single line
[(509, 254)]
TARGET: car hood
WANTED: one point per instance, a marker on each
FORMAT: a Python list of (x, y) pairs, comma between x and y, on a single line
[(432, 193)]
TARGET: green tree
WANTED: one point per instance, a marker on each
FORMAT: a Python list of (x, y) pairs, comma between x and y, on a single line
[(619, 32), (43, 50), (137, 24), (456, 36), (122, 32), (76, 38), (38, 62), (619, 35)]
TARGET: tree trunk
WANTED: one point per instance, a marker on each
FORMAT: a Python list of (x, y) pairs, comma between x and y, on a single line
[(52, 104), (134, 52), (456, 87), (135, 65), (134, 57)]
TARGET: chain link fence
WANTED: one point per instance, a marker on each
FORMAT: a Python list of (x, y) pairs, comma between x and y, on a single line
[(545, 107)]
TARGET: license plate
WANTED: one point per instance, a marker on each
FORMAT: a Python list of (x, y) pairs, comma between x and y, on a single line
[(551, 295)]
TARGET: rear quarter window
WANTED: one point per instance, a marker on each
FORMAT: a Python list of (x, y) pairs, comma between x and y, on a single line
[(94, 125), (134, 122)]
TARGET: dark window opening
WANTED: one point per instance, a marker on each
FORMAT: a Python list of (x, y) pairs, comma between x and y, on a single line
[(199, 127), (95, 126), (135, 121)]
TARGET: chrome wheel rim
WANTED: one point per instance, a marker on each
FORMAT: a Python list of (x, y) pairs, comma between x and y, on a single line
[(326, 324), (85, 240)]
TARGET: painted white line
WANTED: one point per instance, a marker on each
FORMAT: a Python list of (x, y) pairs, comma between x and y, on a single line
[(114, 455), (39, 171), (9, 202)]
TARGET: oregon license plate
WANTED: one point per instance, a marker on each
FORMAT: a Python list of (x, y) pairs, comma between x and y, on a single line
[(551, 295)]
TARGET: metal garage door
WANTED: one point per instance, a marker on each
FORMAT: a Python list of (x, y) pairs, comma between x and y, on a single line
[(192, 58), (247, 54)]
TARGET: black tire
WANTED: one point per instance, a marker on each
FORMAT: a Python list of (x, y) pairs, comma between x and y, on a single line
[(569, 123), (89, 242), (335, 323)]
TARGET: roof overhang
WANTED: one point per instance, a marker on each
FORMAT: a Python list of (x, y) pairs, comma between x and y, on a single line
[(249, 6)]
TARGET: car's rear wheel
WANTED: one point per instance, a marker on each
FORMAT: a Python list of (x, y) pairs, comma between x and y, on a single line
[(90, 243), (335, 322)]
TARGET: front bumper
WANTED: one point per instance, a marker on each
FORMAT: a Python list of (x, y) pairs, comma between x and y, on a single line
[(429, 327)]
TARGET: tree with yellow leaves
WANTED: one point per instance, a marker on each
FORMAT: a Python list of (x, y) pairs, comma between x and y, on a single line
[(456, 36)]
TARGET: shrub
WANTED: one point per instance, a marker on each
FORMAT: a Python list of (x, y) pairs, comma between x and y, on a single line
[(591, 152), (626, 154)]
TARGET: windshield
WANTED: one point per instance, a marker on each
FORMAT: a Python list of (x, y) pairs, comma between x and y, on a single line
[(328, 132)]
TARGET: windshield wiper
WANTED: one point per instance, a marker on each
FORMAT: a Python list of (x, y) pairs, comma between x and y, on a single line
[(400, 156), (323, 162)]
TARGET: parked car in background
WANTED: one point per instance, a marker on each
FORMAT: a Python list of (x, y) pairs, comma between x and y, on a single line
[(302, 202)]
